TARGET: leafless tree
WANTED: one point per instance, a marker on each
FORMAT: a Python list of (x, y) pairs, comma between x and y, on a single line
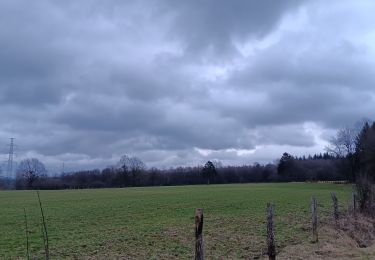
[(218, 164), (131, 165), (30, 170), (343, 143)]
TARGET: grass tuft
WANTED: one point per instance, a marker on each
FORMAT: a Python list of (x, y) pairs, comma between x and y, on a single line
[(44, 229)]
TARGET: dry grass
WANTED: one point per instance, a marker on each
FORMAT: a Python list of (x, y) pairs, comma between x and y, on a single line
[(352, 238)]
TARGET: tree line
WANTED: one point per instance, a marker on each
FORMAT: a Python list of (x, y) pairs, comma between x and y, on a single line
[(350, 157), (132, 172)]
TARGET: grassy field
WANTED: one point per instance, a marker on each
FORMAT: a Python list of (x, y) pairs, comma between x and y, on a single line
[(158, 222)]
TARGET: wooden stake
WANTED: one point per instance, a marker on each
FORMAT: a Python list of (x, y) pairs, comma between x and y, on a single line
[(354, 198), (314, 220), (199, 246), (271, 247), (335, 208)]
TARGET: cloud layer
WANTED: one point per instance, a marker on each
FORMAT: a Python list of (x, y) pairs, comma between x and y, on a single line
[(181, 82)]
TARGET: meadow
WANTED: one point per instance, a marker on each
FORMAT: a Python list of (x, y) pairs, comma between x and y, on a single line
[(158, 222)]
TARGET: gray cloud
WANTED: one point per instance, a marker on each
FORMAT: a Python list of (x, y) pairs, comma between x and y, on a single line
[(181, 82), (212, 27)]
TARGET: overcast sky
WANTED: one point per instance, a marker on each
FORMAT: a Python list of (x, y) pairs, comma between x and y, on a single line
[(181, 82)]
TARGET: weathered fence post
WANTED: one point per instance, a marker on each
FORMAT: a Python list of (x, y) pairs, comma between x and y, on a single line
[(335, 208), (271, 247), (314, 220), (199, 246), (354, 198)]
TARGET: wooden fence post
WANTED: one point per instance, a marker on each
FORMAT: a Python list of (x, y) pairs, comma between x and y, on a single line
[(199, 246), (314, 220), (271, 247), (335, 208), (354, 198)]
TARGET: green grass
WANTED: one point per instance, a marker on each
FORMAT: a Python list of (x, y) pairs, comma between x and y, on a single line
[(158, 222)]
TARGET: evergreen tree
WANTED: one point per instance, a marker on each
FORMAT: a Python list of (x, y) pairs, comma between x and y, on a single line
[(209, 172), (285, 166)]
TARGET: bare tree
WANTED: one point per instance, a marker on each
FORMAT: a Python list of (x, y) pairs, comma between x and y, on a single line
[(343, 143), (30, 170), (131, 165), (128, 163), (218, 164)]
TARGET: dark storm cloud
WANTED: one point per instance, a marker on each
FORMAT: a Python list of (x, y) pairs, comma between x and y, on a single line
[(211, 27), (181, 82), (159, 123)]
